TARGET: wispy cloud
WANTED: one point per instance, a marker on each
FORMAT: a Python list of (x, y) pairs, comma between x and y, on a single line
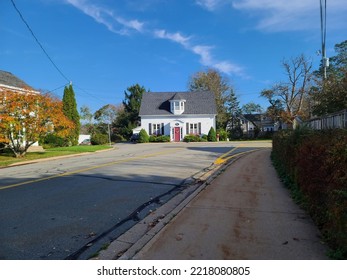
[(174, 37), (284, 15), (209, 4), (203, 51), (107, 17), (119, 25)]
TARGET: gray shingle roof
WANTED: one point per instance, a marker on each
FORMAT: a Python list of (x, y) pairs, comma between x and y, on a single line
[(8, 79), (158, 103), (177, 96)]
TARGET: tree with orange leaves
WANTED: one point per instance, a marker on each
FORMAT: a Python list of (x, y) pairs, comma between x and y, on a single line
[(26, 117)]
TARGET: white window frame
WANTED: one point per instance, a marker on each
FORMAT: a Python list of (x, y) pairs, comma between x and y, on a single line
[(193, 128), (177, 106), (156, 129)]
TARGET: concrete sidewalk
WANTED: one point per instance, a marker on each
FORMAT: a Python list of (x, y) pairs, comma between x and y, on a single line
[(245, 213)]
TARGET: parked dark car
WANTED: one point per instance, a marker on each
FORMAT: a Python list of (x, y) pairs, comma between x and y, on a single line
[(135, 137)]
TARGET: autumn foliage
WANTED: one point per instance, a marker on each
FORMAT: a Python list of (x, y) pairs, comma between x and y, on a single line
[(26, 117)]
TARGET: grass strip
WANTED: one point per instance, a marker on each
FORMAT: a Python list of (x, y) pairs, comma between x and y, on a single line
[(7, 158)]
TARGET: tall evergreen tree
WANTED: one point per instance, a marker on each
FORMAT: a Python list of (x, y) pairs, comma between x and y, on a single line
[(71, 112), (132, 103), (128, 118), (233, 110)]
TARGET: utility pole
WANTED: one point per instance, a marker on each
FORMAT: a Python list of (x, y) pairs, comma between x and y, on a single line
[(323, 19), (109, 134)]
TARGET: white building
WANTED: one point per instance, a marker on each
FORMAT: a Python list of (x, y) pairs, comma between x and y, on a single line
[(178, 113)]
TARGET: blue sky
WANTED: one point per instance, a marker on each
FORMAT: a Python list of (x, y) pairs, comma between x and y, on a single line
[(105, 46)]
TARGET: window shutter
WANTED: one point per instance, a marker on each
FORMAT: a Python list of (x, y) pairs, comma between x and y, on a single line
[(187, 128), (199, 128), (150, 129), (162, 129)]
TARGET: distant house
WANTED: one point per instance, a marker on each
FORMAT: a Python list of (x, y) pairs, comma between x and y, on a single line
[(178, 114), (257, 124), (11, 83)]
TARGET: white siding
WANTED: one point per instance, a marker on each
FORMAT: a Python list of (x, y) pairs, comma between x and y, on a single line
[(170, 122)]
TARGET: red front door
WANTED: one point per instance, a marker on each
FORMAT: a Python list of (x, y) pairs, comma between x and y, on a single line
[(177, 136)]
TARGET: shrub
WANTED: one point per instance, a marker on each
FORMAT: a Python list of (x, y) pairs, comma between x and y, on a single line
[(211, 137), (53, 141), (143, 136), (99, 139), (159, 138), (4, 149), (117, 138), (192, 138), (223, 135), (316, 163), (236, 133)]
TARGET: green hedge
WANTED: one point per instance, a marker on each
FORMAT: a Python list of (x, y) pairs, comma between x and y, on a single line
[(315, 165), (53, 141), (99, 139), (192, 138), (159, 138)]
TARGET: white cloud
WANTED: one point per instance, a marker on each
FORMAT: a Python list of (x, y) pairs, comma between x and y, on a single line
[(208, 4), (107, 17), (175, 37), (132, 24), (230, 68), (284, 15), (203, 51), (205, 54)]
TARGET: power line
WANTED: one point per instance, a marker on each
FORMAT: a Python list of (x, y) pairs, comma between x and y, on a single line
[(86, 92), (50, 91), (50, 59), (38, 42)]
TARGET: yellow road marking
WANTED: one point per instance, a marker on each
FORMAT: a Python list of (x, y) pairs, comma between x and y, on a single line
[(221, 159), (225, 158), (89, 168)]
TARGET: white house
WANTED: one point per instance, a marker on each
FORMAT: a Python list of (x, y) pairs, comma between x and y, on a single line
[(178, 113), (10, 82)]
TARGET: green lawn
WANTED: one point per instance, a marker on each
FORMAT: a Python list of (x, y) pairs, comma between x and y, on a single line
[(8, 158)]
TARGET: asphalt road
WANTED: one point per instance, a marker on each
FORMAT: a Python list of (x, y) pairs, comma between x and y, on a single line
[(69, 208)]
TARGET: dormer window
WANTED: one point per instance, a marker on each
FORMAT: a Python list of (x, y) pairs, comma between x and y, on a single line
[(177, 107), (177, 104)]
